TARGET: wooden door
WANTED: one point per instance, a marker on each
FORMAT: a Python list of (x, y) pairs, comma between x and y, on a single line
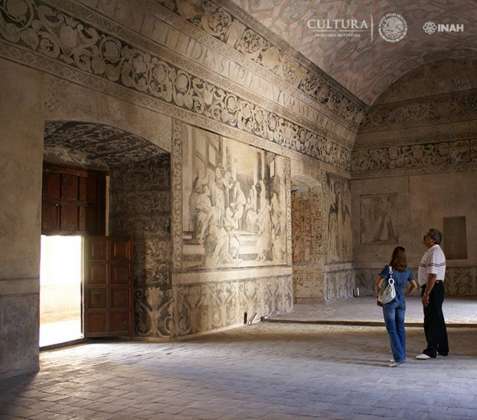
[(73, 201), (108, 305)]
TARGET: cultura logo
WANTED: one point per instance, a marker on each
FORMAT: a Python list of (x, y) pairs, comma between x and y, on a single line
[(392, 27), (338, 27), (431, 28)]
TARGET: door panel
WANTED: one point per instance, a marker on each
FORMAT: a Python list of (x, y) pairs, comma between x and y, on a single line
[(96, 298), (108, 287), (50, 217), (119, 298), (74, 201), (53, 187), (118, 321), (99, 248), (98, 273), (69, 218), (69, 187), (97, 324)]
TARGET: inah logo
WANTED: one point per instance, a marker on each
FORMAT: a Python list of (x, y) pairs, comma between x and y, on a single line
[(430, 27), (392, 27)]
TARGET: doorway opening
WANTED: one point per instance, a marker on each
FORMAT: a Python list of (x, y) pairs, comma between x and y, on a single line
[(111, 189), (60, 289)]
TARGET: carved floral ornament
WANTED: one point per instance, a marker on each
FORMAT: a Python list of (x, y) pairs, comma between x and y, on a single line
[(458, 154), (218, 22), (52, 33)]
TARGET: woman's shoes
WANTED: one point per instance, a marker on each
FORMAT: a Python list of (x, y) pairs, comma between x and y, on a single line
[(393, 363)]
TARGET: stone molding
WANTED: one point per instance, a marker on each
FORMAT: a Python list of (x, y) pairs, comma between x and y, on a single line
[(218, 276), (65, 44)]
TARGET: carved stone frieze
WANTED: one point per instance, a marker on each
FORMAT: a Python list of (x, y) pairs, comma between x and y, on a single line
[(460, 281), (204, 307), (219, 22), (50, 33), (448, 107), (459, 154), (178, 135)]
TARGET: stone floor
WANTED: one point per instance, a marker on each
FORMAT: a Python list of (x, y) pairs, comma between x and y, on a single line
[(363, 310), (266, 371)]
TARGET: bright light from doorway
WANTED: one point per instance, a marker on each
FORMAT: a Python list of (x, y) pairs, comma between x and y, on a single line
[(60, 289)]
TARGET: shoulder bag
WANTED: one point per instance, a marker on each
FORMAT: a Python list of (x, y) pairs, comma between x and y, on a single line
[(387, 292)]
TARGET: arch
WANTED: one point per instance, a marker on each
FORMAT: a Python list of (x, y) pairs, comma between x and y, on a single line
[(304, 183)]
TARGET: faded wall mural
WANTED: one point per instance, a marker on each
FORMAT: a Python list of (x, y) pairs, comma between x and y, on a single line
[(378, 219), (340, 246), (234, 203), (140, 194)]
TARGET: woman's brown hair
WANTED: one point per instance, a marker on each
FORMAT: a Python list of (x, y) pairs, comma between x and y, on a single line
[(398, 259)]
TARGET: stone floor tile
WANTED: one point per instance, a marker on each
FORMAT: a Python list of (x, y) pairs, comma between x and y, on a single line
[(268, 371)]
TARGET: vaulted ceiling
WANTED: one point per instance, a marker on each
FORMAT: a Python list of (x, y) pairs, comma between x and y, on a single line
[(95, 145), (365, 66)]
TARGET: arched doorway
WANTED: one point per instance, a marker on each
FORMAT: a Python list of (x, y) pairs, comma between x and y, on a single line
[(109, 189)]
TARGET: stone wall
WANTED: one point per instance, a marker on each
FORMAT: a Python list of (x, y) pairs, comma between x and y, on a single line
[(144, 70), (140, 209), (231, 231), (307, 244), (339, 276), (322, 238), (414, 166), (20, 209)]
